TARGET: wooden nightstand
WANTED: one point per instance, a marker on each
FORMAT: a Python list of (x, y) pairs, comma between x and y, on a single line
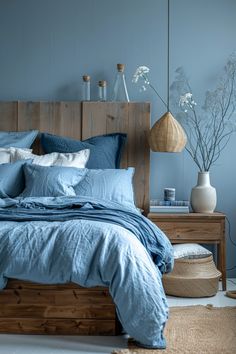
[(195, 228)]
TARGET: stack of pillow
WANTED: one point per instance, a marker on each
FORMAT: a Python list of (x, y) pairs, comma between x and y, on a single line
[(11, 174), (88, 168)]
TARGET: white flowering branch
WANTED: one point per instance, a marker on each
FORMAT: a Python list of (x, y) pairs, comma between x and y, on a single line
[(142, 73)]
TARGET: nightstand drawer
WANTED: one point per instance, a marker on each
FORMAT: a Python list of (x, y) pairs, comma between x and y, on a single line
[(191, 231)]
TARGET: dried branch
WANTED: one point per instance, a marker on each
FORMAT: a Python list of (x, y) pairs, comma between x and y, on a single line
[(210, 128)]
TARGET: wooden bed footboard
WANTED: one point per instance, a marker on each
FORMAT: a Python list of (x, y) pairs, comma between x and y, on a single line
[(30, 308)]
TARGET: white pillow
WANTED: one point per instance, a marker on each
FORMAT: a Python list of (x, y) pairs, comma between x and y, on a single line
[(190, 251), (7, 153), (74, 159)]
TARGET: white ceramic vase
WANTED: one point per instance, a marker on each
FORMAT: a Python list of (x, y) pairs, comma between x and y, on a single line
[(203, 195)]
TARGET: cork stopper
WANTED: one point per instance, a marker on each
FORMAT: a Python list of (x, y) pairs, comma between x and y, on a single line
[(86, 78), (120, 67), (102, 83)]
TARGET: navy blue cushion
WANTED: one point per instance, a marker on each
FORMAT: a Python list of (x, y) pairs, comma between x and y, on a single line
[(52, 181), (18, 139), (12, 178), (105, 150)]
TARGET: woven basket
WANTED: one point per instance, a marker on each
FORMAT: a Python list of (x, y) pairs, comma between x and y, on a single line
[(192, 278)]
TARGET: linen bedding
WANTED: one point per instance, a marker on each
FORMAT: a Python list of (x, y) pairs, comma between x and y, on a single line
[(90, 242)]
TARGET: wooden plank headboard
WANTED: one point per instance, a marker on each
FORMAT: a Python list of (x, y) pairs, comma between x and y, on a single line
[(81, 120)]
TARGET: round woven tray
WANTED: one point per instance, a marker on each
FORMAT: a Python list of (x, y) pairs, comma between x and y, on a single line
[(192, 278)]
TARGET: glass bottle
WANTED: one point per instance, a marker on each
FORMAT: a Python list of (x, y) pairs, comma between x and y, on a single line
[(102, 90), (120, 92), (86, 88)]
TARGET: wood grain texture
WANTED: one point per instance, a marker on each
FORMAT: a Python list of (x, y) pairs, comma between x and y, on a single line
[(81, 310), (191, 230), (134, 120), (191, 216), (59, 118), (57, 326), (27, 307), (19, 284), (8, 116), (51, 297)]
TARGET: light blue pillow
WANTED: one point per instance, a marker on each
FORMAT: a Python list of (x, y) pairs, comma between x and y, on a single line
[(12, 180), (105, 150), (53, 181), (18, 139), (109, 184)]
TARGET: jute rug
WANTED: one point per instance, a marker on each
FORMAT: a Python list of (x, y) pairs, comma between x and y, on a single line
[(196, 330)]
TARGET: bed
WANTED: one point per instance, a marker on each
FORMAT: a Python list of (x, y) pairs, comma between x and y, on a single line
[(28, 307)]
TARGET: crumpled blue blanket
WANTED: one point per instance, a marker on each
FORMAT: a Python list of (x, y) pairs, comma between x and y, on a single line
[(92, 243)]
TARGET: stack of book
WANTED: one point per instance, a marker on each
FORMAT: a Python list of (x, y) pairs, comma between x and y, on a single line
[(176, 206)]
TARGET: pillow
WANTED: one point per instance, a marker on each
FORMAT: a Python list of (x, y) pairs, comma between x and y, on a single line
[(53, 181), (18, 139), (190, 251), (12, 179), (105, 150), (112, 185), (76, 159), (7, 153)]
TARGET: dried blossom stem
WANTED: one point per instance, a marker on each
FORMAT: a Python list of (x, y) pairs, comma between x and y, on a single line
[(209, 129)]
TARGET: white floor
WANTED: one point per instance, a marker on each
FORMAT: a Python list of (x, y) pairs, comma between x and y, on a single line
[(24, 344), (220, 300)]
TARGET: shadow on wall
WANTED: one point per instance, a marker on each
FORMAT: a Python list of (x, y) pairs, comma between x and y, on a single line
[(69, 92)]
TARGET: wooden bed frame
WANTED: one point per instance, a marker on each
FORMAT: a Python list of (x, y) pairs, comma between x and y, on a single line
[(32, 308)]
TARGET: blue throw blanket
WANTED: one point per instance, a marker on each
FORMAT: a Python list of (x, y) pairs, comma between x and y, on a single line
[(92, 243)]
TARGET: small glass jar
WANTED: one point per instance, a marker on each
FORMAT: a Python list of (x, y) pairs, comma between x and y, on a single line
[(120, 92), (86, 88), (102, 90)]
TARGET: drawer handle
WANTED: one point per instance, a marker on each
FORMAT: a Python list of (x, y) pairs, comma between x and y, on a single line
[(178, 236)]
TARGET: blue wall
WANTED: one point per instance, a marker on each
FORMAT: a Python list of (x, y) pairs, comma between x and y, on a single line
[(46, 46)]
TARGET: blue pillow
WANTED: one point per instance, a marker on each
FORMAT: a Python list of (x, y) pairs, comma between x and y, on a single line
[(53, 181), (113, 185), (18, 139), (105, 150), (12, 180)]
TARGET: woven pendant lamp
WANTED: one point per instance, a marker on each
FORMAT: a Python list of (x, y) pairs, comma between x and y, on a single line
[(167, 135)]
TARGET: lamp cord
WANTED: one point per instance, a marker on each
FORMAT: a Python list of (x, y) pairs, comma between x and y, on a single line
[(168, 55)]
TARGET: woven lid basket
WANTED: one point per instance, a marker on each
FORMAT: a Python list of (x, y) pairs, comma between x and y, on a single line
[(192, 278)]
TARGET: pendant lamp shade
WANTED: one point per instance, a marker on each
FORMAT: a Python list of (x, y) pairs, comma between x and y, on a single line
[(167, 135)]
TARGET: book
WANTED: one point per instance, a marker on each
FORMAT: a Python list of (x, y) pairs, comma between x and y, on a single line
[(169, 209), (158, 202)]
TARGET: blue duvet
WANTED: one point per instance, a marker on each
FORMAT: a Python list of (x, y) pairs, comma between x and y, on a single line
[(92, 243)]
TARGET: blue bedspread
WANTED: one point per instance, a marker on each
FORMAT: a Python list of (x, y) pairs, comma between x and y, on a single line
[(92, 243)]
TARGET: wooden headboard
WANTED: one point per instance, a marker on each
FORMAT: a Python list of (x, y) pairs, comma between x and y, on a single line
[(81, 120)]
